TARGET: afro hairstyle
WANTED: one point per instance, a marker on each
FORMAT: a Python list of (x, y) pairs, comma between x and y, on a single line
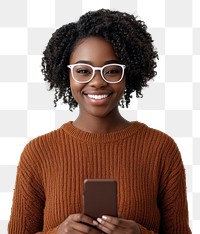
[(131, 42)]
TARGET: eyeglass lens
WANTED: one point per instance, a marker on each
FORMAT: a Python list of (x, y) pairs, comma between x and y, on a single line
[(111, 73)]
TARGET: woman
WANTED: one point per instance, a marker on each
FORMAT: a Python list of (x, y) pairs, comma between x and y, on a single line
[(96, 64)]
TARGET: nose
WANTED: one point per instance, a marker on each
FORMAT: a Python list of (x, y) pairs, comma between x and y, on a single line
[(98, 81)]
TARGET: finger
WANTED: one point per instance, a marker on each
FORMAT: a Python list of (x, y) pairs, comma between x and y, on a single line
[(104, 229), (77, 222), (84, 219), (106, 224), (109, 228), (115, 221), (82, 228)]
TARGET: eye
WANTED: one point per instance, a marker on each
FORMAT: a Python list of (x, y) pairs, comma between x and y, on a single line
[(83, 71), (112, 70)]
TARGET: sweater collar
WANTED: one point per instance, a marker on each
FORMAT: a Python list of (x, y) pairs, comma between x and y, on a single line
[(132, 129)]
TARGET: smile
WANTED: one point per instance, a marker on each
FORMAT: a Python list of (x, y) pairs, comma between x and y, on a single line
[(102, 96)]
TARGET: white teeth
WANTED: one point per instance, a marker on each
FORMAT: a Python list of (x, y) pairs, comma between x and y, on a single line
[(98, 96)]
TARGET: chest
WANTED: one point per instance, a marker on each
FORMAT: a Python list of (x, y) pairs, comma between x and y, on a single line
[(137, 186)]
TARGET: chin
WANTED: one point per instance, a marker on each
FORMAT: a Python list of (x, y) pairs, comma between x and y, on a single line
[(100, 112)]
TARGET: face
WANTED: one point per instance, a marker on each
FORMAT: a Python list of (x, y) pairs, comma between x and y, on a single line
[(97, 98)]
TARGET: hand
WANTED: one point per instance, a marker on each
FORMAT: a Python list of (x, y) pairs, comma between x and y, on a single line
[(76, 224), (116, 225)]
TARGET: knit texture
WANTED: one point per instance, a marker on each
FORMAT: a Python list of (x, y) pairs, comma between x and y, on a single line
[(145, 162)]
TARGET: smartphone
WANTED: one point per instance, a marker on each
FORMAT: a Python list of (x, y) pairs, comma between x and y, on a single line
[(100, 197)]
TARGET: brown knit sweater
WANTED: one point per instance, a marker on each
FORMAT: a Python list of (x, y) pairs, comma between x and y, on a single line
[(145, 162)]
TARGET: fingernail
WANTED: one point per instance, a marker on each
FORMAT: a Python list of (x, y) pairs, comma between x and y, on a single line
[(99, 220), (104, 217), (95, 222)]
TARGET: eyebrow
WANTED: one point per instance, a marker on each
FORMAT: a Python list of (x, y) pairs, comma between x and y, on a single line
[(105, 63)]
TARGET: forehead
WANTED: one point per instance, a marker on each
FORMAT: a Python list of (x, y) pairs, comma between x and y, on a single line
[(94, 50)]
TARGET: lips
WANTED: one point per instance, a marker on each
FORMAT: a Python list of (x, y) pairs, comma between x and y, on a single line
[(97, 95), (100, 96), (97, 98)]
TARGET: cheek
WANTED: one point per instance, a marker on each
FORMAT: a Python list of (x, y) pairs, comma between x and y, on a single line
[(75, 87), (123, 87)]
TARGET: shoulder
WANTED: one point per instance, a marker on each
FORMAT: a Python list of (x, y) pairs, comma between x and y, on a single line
[(163, 145), (155, 135), (43, 148), (164, 152), (54, 138)]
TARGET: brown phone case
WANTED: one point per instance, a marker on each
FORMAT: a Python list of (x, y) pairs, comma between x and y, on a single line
[(100, 197)]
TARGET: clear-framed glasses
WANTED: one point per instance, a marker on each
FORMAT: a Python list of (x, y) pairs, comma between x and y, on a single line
[(84, 73)]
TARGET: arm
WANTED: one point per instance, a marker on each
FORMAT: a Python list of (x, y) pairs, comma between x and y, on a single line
[(29, 202), (172, 197), (29, 199)]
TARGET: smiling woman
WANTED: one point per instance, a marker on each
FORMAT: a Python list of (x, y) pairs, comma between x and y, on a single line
[(96, 64)]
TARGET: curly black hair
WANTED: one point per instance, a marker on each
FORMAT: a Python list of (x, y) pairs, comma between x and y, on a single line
[(131, 42)]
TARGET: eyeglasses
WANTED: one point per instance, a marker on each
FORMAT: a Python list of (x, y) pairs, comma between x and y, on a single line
[(84, 73)]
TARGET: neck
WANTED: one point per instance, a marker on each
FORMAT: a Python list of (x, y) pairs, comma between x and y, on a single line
[(94, 124)]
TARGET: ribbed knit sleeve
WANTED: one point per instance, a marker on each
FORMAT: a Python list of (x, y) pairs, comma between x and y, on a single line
[(29, 199), (172, 198)]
